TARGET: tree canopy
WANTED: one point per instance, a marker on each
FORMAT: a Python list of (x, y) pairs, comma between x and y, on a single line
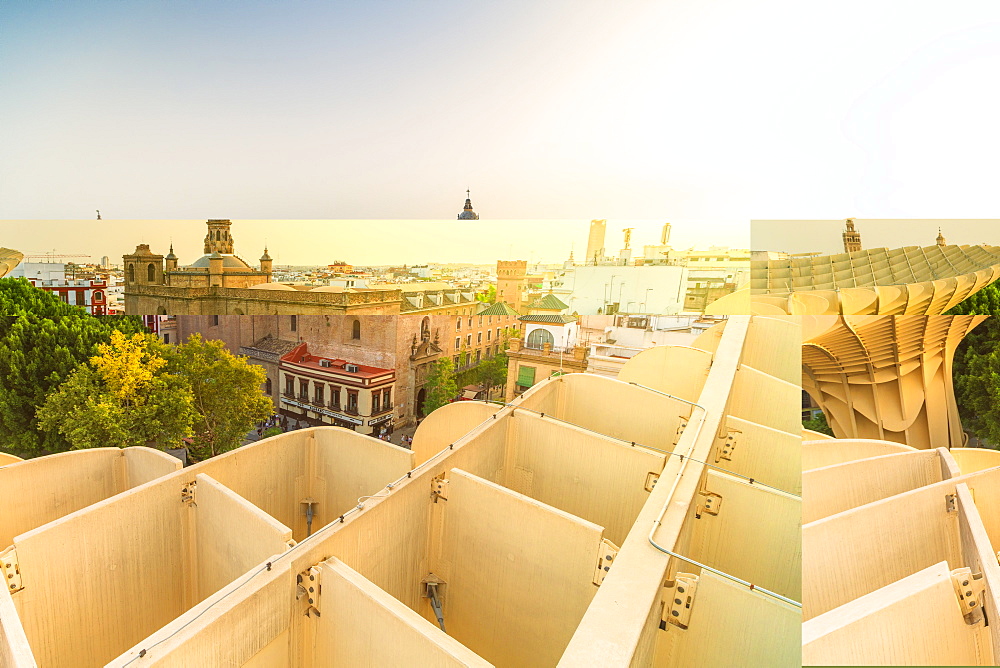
[(226, 393), (976, 367), (124, 396), (441, 386), (42, 341)]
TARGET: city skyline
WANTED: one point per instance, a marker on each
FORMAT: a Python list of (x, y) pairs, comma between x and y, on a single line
[(826, 236), (362, 242)]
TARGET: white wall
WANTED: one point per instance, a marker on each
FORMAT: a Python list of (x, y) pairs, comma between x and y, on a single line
[(589, 290)]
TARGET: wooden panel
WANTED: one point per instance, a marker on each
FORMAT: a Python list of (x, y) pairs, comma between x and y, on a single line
[(914, 621), (676, 370), (519, 573), (98, 581), (595, 478), (833, 489), (349, 466), (272, 474), (774, 346), (40, 490), (244, 624), (145, 464), (590, 401), (855, 552), (232, 536), (766, 400), (971, 460), (731, 625), (762, 453), (448, 424), (817, 454), (980, 556), (361, 625), (756, 535), (14, 649), (6, 458)]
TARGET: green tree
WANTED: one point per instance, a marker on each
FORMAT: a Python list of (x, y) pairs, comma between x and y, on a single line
[(493, 371), (42, 341), (974, 369), (123, 397), (441, 387), (489, 296), (819, 424), (226, 390)]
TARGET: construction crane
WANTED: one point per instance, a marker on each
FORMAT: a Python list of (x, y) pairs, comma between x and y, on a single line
[(51, 256)]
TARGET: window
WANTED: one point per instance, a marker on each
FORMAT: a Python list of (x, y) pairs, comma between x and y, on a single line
[(489, 334), (267, 385), (454, 361), (387, 399), (289, 385), (470, 321), (352, 402), (356, 330), (151, 272), (303, 389), (468, 339), (458, 324), (526, 376), (318, 394), (375, 402), (98, 296), (166, 339), (479, 337), (131, 273), (294, 322), (539, 337), (335, 397), (215, 321), (480, 321), (479, 356), (458, 342)]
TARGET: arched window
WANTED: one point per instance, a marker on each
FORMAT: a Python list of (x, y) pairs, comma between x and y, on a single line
[(267, 387), (98, 296), (161, 311), (356, 330), (539, 337), (131, 273), (151, 272)]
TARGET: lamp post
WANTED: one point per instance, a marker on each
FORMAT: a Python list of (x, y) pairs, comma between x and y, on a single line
[(648, 290)]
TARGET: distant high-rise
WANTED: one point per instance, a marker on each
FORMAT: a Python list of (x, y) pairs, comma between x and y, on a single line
[(665, 235), (106, 262), (852, 238), (595, 242), (467, 212)]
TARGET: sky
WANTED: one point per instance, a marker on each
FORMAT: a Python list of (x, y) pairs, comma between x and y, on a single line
[(358, 242), (826, 236), (712, 112)]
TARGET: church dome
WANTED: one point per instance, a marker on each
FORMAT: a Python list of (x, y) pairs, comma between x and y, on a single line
[(229, 261), (467, 212)]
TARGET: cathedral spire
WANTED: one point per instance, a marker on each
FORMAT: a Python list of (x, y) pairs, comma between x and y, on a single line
[(467, 212)]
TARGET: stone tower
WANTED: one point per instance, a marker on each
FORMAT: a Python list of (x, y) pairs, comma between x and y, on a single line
[(265, 262), (218, 239), (852, 238), (510, 282), (171, 259), (940, 239), (595, 242)]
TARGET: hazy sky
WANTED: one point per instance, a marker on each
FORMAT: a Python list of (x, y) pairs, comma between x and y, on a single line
[(360, 242), (826, 236), (708, 111)]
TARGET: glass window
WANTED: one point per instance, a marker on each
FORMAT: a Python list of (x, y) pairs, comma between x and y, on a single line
[(294, 320), (356, 330), (319, 392), (375, 402)]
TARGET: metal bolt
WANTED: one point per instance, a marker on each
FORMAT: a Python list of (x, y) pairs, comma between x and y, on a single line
[(607, 568), (968, 593), (680, 589), (677, 601), (972, 604), (312, 577), (311, 590), (675, 613), (608, 557), (310, 601), (965, 583)]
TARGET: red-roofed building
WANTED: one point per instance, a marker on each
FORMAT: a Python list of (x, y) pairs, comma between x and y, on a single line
[(91, 294), (327, 391)]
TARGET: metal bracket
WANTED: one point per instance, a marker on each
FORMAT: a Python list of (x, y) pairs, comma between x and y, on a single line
[(11, 570), (310, 588), (651, 479), (439, 488), (681, 426), (969, 587), (680, 599), (188, 493), (951, 503), (606, 553), (725, 451), (708, 502), (432, 587)]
